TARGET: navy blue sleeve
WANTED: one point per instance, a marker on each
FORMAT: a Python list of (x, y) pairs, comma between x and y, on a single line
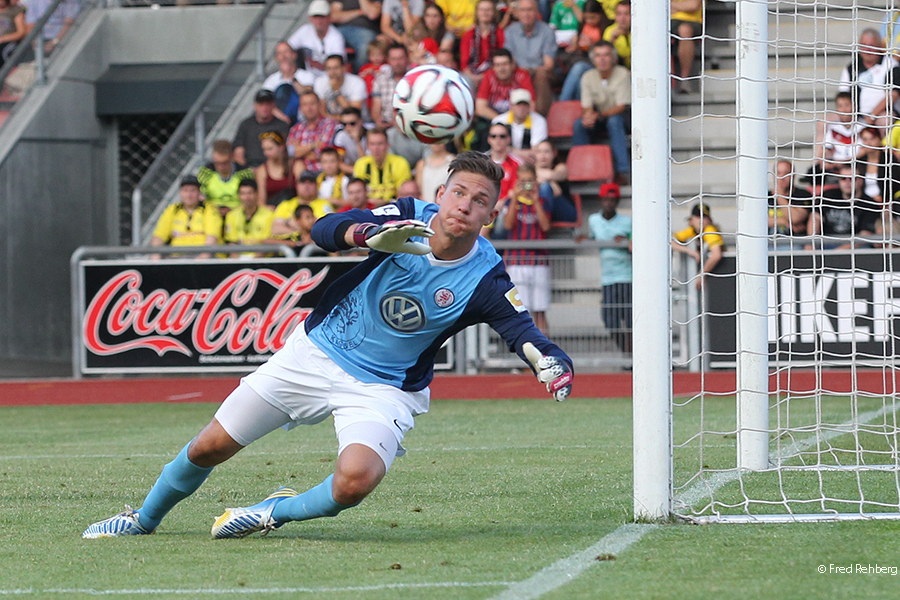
[(328, 232), (497, 302)]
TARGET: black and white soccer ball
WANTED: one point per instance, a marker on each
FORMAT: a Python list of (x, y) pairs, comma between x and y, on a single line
[(433, 104)]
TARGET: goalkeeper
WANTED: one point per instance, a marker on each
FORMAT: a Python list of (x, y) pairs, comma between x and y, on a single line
[(365, 354)]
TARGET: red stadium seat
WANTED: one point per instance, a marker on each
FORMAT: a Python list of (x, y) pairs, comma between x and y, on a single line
[(562, 115), (591, 163), (588, 166)]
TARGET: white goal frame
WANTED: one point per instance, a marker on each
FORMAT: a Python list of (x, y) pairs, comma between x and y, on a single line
[(653, 438)]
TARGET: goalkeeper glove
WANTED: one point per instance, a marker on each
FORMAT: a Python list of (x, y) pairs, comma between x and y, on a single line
[(393, 236), (550, 370)]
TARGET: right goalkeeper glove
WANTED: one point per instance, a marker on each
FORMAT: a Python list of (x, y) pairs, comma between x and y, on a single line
[(393, 236), (551, 371)]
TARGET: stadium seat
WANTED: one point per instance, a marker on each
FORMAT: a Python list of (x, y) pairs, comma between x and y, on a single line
[(562, 115), (589, 166)]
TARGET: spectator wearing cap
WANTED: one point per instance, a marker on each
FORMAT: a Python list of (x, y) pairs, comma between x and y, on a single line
[(528, 127), (284, 225), (382, 171), (288, 82), (701, 240), (533, 45), (615, 265), (318, 39), (359, 23), (189, 221), (220, 179), (247, 147), (606, 107), (308, 137)]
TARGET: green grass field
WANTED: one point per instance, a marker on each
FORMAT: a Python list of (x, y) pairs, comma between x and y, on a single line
[(489, 494)]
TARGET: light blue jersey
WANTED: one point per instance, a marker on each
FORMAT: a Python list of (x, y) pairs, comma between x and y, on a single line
[(384, 321), (615, 263)]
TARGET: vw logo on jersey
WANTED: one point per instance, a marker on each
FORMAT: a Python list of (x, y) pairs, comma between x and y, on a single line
[(444, 297), (402, 312)]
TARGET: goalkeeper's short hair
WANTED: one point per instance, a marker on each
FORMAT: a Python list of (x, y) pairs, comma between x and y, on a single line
[(480, 164)]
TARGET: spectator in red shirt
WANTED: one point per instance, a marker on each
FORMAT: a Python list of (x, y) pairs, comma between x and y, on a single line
[(357, 196), (478, 43), (499, 139), (492, 98)]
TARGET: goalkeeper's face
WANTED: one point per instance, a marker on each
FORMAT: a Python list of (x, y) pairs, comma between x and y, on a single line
[(468, 202)]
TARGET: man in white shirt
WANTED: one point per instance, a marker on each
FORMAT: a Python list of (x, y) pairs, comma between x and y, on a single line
[(867, 79), (528, 127), (339, 89), (288, 82), (318, 39)]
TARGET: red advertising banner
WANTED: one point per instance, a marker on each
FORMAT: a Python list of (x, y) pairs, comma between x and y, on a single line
[(195, 315)]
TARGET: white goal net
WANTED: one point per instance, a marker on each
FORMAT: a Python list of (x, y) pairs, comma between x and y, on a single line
[(785, 402)]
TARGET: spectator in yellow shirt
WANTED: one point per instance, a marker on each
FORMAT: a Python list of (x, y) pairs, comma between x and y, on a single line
[(188, 222), (460, 15), (619, 33), (284, 225), (383, 172), (687, 27), (701, 241), (249, 224)]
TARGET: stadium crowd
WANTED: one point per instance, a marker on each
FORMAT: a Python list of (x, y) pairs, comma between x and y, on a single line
[(851, 190), (322, 136), (324, 116)]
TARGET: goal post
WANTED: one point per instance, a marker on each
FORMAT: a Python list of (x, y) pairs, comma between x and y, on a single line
[(794, 415), (651, 190)]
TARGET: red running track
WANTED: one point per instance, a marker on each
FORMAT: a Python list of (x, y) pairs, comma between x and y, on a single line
[(470, 387)]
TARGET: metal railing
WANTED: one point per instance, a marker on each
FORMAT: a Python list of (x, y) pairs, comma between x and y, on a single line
[(187, 145)]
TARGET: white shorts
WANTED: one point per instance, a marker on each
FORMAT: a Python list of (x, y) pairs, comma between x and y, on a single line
[(305, 386), (533, 283)]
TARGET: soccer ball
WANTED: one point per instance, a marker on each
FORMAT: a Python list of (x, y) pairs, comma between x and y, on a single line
[(433, 104)]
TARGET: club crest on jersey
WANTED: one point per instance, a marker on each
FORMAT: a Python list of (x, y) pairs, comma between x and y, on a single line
[(513, 297), (444, 297), (402, 312)]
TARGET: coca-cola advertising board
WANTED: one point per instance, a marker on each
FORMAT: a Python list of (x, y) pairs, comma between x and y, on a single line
[(187, 315)]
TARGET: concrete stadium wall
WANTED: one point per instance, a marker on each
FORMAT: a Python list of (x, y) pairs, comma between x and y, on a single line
[(58, 161)]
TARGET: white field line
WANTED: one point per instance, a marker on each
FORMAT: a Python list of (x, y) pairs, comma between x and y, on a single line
[(241, 591), (565, 570), (704, 489), (310, 450)]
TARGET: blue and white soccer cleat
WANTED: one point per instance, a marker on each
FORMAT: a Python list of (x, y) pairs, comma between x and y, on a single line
[(125, 523), (241, 522)]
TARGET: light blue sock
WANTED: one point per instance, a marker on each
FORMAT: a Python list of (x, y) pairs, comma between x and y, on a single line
[(178, 480), (313, 503)]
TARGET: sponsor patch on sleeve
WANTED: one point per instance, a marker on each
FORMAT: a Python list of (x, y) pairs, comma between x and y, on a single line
[(387, 210), (513, 297)]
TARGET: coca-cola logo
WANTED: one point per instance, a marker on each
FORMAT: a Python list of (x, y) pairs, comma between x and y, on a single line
[(224, 317)]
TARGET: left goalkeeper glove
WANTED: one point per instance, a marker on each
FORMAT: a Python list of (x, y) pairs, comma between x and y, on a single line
[(393, 236), (550, 370)]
